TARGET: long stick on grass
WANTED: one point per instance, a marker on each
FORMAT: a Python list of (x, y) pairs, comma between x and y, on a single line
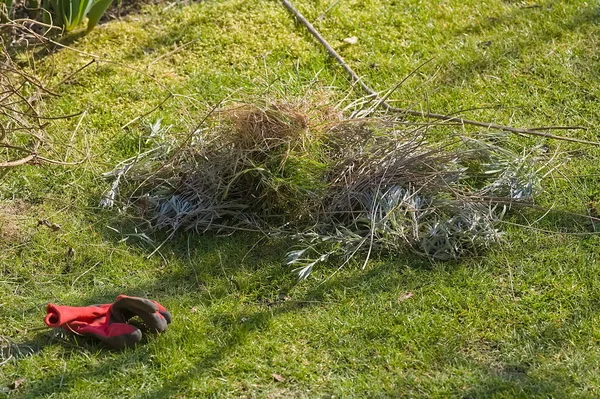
[(383, 103)]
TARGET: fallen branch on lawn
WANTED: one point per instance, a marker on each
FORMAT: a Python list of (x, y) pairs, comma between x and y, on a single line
[(422, 114)]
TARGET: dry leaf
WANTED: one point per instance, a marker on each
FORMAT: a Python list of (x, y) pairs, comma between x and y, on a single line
[(284, 297), (403, 297), (16, 384), (51, 226), (278, 377), (351, 40)]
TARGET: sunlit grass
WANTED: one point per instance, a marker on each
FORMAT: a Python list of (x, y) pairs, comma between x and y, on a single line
[(521, 321)]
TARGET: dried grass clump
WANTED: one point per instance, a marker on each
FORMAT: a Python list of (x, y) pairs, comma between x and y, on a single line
[(264, 124), (339, 186), (254, 126)]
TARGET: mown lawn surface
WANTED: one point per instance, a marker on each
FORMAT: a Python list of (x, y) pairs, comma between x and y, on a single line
[(521, 321)]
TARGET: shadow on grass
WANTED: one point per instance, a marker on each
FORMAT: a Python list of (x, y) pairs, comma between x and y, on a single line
[(271, 293), (515, 382), (235, 329)]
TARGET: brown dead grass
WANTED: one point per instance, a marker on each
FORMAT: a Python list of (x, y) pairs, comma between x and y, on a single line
[(13, 215), (255, 125), (274, 122)]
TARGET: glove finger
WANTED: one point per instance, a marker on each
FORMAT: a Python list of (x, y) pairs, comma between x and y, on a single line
[(165, 313), (154, 315), (57, 315), (125, 307), (155, 322), (143, 304)]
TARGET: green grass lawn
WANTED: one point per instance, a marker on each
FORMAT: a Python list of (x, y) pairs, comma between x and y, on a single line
[(521, 321)]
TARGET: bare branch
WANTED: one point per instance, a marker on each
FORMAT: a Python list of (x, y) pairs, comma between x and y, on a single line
[(422, 114)]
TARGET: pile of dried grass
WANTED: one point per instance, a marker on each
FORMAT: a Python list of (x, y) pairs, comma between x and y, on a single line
[(340, 186)]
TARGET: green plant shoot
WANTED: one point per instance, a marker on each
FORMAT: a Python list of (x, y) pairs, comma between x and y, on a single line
[(71, 13)]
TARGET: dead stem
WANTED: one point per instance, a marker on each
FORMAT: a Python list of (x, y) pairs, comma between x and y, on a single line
[(381, 102)]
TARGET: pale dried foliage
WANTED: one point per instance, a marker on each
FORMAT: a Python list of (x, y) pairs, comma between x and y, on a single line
[(253, 125), (338, 185)]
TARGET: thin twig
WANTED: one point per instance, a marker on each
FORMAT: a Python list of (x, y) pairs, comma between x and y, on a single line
[(75, 73), (55, 162), (177, 49), (559, 128), (149, 112), (18, 162), (422, 114), (73, 135)]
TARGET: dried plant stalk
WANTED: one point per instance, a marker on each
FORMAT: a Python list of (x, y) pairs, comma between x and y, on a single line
[(21, 126)]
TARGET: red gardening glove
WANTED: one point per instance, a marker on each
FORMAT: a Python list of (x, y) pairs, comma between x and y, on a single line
[(93, 321), (109, 322)]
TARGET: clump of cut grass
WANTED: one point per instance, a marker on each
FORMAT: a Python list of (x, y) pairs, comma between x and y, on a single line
[(254, 126), (389, 190), (339, 185), (254, 167)]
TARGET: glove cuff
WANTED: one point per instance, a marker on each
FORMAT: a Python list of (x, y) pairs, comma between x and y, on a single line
[(59, 315)]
